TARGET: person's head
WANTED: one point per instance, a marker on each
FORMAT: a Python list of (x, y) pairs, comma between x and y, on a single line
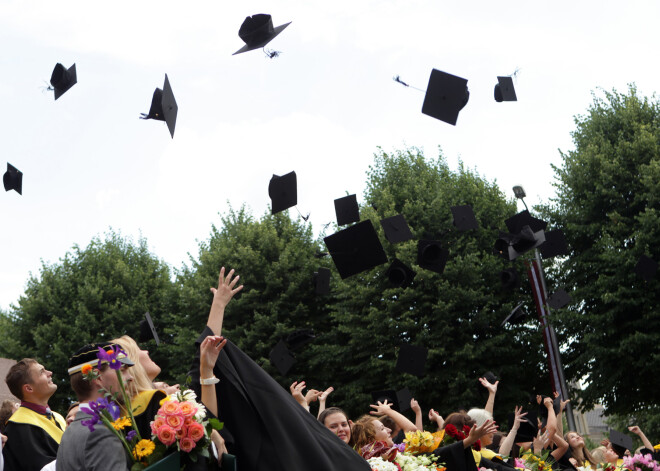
[(574, 440), (578, 450), (598, 455), (335, 419), (367, 430), (71, 413), (479, 416), (30, 381), (459, 419), (7, 409), (145, 369), (388, 422), (106, 377), (611, 455)]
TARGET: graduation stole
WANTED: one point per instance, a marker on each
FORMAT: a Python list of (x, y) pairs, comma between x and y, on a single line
[(27, 416), (141, 400)]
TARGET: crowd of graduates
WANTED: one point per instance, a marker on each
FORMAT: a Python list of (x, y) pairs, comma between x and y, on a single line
[(268, 428)]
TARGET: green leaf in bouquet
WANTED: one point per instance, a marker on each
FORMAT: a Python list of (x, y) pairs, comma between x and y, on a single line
[(216, 424)]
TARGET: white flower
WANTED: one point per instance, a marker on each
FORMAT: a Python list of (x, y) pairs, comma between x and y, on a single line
[(378, 464)]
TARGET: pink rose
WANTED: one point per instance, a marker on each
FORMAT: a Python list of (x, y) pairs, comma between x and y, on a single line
[(169, 408), (195, 431), (156, 424), (187, 444), (174, 421), (188, 421), (187, 409), (166, 435)]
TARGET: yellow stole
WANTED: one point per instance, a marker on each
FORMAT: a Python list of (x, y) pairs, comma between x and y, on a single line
[(486, 453), (141, 400), (27, 416)]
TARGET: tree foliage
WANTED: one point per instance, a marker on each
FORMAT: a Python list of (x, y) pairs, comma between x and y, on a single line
[(608, 203)]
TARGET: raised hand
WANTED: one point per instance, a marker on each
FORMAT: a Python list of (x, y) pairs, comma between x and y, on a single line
[(437, 418), (518, 416), (324, 395), (208, 353), (312, 395), (382, 408), (476, 433), (296, 389), (492, 387), (414, 405), (225, 290), (562, 404)]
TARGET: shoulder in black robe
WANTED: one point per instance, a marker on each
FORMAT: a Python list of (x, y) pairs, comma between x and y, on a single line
[(28, 447)]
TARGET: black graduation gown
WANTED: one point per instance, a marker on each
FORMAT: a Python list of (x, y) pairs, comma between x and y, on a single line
[(271, 431), (28, 447), (456, 457)]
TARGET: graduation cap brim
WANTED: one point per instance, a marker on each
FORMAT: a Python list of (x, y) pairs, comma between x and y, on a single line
[(464, 218), (347, 210), (170, 108), (446, 95), (412, 359), (283, 192), (356, 249), (399, 274), (516, 222), (277, 30), (73, 79), (620, 442), (504, 90), (431, 255), (148, 330)]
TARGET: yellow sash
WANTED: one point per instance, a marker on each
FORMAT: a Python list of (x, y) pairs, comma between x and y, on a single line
[(141, 400), (486, 453), (27, 416)]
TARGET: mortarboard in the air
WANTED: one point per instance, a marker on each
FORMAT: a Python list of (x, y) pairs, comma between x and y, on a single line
[(504, 90), (411, 359), (555, 244), (347, 210), (356, 249), (646, 267), (431, 255), (322, 281), (446, 95), (388, 395), (62, 79), (509, 279), (527, 240), (528, 427), (516, 222), (299, 338), (559, 299), (464, 218), (257, 31), (404, 396), (283, 192), (163, 106), (148, 330), (281, 358), (13, 179), (489, 376), (400, 274), (517, 315), (620, 442), (396, 229)]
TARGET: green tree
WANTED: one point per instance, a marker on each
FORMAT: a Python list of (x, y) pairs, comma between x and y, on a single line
[(92, 294), (607, 203)]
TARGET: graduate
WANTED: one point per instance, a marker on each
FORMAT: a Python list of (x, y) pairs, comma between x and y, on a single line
[(34, 431)]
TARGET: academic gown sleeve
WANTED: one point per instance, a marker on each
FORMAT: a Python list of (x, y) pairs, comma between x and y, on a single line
[(28, 447), (456, 457), (272, 432)]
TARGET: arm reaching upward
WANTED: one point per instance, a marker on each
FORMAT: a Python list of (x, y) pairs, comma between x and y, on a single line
[(221, 297)]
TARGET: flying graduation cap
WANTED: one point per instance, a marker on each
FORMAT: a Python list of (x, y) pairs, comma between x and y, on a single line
[(148, 330), (559, 299), (347, 210), (504, 90), (257, 31), (431, 255), (411, 359), (322, 281), (516, 316), (282, 358), (62, 79), (283, 192), (163, 106), (356, 249), (464, 218), (446, 95), (555, 244), (399, 400), (400, 274), (396, 229), (13, 179)]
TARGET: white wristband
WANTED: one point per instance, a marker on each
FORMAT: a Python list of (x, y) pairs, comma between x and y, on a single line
[(209, 381)]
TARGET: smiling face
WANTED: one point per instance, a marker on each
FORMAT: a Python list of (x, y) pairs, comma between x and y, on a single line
[(338, 424), (383, 433), (41, 386), (575, 440)]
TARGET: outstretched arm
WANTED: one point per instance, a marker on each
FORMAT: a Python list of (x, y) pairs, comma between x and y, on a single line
[(209, 351), (507, 443), (384, 408), (638, 431), (221, 297), (322, 398), (437, 418), (414, 405), (492, 390)]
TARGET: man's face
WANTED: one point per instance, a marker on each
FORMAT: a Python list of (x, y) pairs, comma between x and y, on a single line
[(109, 381), (41, 386)]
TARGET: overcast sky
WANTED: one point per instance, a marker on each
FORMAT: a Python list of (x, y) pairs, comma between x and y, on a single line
[(321, 108)]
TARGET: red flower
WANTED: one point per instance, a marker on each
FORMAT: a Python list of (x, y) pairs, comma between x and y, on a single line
[(451, 430)]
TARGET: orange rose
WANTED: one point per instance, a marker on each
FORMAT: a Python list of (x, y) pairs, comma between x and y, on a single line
[(187, 409), (196, 431), (186, 445), (86, 368), (174, 421)]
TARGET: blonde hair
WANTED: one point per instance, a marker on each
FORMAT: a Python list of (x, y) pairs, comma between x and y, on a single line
[(598, 455), (141, 381)]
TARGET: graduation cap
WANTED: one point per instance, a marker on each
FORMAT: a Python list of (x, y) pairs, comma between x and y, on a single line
[(559, 299), (511, 246), (148, 330), (646, 267), (257, 31), (322, 281), (404, 396), (400, 274), (281, 358), (489, 376), (555, 244), (347, 210), (396, 229), (13, 179), (283, 192), (431, 255), (411, 359), (446, 95), (528, 428), (516, 223), (464, 218), (163, 106), (509, 279), (299, 338), (388, 395), (356, 249), (620, 442), (62, 79), (504, 90), (516, 316)]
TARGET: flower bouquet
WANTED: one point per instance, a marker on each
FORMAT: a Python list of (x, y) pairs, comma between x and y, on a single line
[(452, 435), (641, 462), (541, 462), (408, 462), (422, 442)]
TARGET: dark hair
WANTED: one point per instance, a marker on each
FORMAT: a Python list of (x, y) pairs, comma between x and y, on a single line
[(19, 375), (388, 422), (329, 411), (6, 411), (459, 419), (83, 388), (497, 440)]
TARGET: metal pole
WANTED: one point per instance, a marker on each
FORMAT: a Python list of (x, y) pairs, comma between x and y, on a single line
[(555, 348)]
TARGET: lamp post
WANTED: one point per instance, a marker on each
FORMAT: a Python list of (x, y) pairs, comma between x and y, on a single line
[(552, 346)]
